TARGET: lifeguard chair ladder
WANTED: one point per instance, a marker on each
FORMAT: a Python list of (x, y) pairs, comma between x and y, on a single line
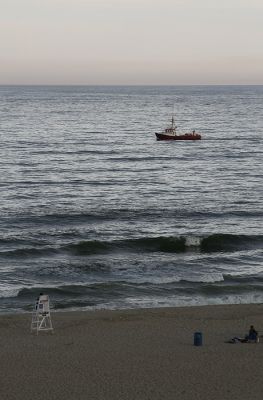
[(41, 319)]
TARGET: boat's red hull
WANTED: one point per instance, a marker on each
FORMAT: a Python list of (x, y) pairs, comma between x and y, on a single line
[(186, 136)]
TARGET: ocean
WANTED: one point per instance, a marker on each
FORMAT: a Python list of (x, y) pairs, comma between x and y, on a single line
[(99, 215)]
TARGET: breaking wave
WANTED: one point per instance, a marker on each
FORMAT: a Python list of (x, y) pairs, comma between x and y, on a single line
[(174, 244)]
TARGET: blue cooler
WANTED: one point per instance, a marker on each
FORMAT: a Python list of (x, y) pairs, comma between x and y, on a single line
[(198, 340)]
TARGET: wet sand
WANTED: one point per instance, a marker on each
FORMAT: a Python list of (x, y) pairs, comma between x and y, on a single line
[(134, 355)]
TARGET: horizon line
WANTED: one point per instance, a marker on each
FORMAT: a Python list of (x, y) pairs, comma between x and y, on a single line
[(132, 85)]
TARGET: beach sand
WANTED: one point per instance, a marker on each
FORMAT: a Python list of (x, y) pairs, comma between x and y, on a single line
[(137, 354)]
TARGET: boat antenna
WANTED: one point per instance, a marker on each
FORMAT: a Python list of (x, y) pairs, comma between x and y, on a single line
[(173, 116)]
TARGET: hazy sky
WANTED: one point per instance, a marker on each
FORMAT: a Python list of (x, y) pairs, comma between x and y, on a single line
[(131, 41)]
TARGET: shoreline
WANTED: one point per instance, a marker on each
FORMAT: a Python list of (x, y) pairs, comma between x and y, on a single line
[(134, 354), (128, 310)]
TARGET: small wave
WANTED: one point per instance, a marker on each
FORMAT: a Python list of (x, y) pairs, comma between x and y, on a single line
[(88, 247), (206, 278), (243, 279), (9, 292), (163, 244), (166, 280), (228, 242), (123, 214), (184, 301), (28, 252)]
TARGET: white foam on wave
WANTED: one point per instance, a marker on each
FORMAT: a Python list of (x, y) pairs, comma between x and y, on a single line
[(182, 301), (206, 278), (176, 301), (193, 241), (9, 292), (198, 278)]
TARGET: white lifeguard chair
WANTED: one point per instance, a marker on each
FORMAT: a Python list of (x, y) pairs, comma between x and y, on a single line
[(41, 319)]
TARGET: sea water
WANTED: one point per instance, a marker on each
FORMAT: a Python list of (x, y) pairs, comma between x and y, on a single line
[(98, 214)]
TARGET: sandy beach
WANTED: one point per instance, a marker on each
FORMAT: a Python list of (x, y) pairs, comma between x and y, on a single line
[(138, 354)]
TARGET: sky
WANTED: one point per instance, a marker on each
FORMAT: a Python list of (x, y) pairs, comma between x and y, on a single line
[(131, 42)]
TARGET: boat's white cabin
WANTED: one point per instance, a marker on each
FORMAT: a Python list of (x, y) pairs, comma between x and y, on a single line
[(170, 131)]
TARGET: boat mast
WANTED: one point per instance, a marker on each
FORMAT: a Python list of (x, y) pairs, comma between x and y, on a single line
[(173, 127)]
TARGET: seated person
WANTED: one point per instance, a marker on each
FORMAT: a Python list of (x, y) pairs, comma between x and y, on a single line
[(252, 334), (251, 337)]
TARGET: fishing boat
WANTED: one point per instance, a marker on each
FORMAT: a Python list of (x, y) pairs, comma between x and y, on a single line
[(171, 134)]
